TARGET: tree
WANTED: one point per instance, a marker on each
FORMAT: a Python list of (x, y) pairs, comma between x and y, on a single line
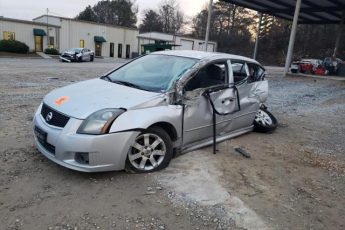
[(171, 16), (87, 15), (151, 22), (230, 27), (116, 12), (199, 23)]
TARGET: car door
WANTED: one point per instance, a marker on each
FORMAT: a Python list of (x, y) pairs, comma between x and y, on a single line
[(86, 54), (252, 89), (198, 111)]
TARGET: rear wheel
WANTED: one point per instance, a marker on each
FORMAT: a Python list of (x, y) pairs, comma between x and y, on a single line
[(265, 121), (151, 151)]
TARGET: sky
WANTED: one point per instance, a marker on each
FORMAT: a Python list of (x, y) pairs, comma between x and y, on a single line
[(29, 9)]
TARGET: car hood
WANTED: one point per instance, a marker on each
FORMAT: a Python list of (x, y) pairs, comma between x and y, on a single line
[(81, 99), (70, 52)]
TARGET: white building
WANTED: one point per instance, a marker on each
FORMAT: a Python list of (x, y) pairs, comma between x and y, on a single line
[(65, 33), (33, 34), (178, 42), (106, 40)]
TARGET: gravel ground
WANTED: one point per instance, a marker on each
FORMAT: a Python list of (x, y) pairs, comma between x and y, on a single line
[(295, 178)]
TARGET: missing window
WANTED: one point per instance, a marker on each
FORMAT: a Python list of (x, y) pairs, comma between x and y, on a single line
[(239, 71), (210, 75)]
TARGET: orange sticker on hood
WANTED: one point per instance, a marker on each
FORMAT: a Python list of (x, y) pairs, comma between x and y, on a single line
[(61, 100)]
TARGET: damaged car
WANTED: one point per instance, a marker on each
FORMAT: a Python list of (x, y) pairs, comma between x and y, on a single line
[(142, 114), (77, 55)]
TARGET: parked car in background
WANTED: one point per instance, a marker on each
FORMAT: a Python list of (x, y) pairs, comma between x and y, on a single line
[(140, 115), (294, 68), (77, 55), (305, 66), (329, 66)]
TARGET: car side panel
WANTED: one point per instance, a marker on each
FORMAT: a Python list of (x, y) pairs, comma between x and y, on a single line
[(251, 96), (198, 122), (142, 118)]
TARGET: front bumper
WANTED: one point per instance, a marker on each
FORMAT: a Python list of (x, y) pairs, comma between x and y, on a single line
[(68, 57), (106, 152)]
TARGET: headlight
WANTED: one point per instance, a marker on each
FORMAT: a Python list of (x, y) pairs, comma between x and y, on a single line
[(100, 121)]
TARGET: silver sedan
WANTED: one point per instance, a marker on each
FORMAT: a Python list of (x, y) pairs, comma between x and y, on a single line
[(142, 114), (77, 55)]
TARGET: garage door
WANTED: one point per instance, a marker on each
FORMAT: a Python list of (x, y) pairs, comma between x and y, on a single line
[(210, 47), (186, 44)]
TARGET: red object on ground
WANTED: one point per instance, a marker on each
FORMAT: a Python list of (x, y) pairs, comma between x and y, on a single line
[(320, 71), (306, 67)]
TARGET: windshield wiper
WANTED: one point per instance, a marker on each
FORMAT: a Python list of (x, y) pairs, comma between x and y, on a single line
[(106, 77), (127, 84)]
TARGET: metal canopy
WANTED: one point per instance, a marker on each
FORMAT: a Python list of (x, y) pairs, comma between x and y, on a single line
[(311, 11), (99, 39)]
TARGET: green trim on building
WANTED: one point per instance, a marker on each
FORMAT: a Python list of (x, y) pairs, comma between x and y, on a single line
[(99, 39), (39, 32)]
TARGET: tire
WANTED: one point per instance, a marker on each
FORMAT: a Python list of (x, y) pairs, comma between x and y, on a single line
[(264, 121), (143, 157), (91, 58)]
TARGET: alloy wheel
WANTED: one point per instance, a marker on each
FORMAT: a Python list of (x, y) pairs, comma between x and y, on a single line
[(147, 152), (263, 118)]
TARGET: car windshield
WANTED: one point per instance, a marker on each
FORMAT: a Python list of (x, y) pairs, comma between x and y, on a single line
[(153, 72), (75, 50)]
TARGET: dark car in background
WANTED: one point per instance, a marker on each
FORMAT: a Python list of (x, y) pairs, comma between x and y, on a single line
[(330, 68), (77, 55)]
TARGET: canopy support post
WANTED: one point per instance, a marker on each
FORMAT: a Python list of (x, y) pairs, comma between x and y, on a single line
[(292, 37), (208, 24), (257, 36), (340, 31)]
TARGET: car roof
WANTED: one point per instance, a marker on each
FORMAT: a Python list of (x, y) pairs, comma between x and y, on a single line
[(204, 55)]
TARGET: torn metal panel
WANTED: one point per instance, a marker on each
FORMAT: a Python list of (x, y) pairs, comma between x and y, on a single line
[(259, 90)]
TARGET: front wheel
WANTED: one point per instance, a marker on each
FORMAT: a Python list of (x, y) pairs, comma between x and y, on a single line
[(264, 121), (151, 151), (91, 58)]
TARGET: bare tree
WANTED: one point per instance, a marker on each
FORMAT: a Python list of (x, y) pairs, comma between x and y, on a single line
[(151, 23), (172, 17)]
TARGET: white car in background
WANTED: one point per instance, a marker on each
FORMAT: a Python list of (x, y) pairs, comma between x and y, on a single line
[(295, 66), (78, 55)]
